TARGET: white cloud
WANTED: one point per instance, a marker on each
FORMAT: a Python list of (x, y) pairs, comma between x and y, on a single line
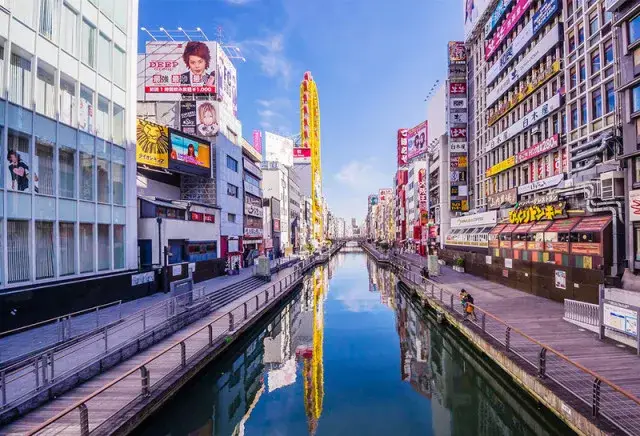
[(359, 175), (269, 53), (273, 115), (238, 2)]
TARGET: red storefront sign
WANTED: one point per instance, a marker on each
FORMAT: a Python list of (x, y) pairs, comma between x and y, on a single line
[(402, 147), (209, 218), (538, 149), (458, 133), (457, 88), (196, 216)]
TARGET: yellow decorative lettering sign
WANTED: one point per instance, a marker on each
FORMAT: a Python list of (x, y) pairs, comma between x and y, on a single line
[(533, 213), (152, 144), (501, 166)]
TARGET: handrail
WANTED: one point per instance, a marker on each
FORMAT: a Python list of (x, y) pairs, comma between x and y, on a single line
[(68, 315), (297, 273), (512, 329)]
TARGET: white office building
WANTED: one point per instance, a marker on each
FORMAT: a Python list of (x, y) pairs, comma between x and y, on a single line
[(67, 132)]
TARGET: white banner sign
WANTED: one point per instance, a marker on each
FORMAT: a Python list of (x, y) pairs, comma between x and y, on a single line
[(538, 185), (526, 122), (458, 103), (458, 118), (252, 233), (522, 68), (457, 147), (519, 42), (476, 220), (634, 205)]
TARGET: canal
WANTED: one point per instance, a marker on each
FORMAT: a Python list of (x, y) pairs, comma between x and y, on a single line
[(351, 353)]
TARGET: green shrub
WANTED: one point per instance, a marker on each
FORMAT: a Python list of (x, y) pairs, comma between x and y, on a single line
[(459, 261)]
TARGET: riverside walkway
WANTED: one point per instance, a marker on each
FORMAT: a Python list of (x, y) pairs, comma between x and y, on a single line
[(524, 324), (143, 378)]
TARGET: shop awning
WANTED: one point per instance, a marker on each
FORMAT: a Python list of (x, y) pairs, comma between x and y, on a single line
[(523, 228), (540, 226), (593, 224), (509, 228), (563, 226), (497, 229), (163, 203)]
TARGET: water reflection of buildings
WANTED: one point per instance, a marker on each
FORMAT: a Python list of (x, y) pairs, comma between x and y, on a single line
[(464, 398), (382, 280)]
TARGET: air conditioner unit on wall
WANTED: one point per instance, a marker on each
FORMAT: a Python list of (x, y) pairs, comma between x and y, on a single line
[(612, 185)]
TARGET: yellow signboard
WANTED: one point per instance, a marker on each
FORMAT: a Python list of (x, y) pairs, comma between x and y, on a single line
[(501, 166), (529, 214), (152, 144)]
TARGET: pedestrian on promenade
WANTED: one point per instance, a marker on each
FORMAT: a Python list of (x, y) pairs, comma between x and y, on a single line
[(463, 300), (470, 308), (237, 268)]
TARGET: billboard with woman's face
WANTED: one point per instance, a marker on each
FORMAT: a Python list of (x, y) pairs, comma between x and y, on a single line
[(176, 68), (21, 175)]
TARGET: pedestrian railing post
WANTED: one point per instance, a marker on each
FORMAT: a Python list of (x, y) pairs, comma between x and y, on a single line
[(53, 372), (210, 335), (145, 381), (484, 319), (84, 419), (433, 290), (266, 295), (144, 320), (507, 338), (231, 326), (106, 339), (542, 362), (45, 366), (451, 302), (441, 294), (97, 317), (183, 354), (246, 314), (37, 372), (595, 404), (3, 387)]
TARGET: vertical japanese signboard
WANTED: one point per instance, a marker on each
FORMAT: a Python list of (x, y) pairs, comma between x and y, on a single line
[(402, 147), (456, 118)]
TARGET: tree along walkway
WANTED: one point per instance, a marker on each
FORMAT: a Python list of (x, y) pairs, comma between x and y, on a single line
[(115, 399)]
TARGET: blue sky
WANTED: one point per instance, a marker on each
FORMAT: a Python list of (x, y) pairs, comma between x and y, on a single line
[(374, 61)]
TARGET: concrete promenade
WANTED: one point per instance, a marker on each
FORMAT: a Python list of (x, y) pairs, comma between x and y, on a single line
[(542, 320), (37, 338)]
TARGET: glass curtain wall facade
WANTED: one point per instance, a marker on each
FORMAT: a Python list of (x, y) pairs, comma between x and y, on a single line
[(64, 107)]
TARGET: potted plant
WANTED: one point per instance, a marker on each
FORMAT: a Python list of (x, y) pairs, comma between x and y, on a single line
[(458, 264)]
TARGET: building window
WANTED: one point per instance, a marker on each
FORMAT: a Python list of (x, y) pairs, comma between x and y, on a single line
[(637, 231), (120, 15), (580, 34), (118, 183), (583, 111), (88, 44), (106, 7), (593, 24), (68, 29), (572, 42), (67, 101), (231, 217), (85, 113), (583, 72), (232, 164), (86, 248), (118, 124), (118, 246), (103, 180), (18, 249), (45, 250), (67, 172), (104, 247), (104, 56), (119, 67), (635, 99), (48, 18), (573, 75), (44, 153), (252, 180), (608, 16), (19, 158), (595, 62), (232, 190), (597, 104), (86, 176), (103, 118), (20, 81), (45, 92), (608, 53), (67, 248), (611, 97), (636, 167), (634, 29)]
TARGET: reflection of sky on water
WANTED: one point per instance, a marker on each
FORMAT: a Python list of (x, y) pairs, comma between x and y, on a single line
[(346, 286)]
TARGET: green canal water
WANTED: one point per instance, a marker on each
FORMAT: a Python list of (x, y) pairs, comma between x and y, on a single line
[(351, 354)]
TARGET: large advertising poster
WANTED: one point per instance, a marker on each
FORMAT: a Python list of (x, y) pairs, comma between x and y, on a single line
[(457, 53), (492, 44), (417, 140), (176, 68), (199, 118), (21, 174), (227, 82), (402, 147), (257, 141), (278, 148), (188, 154), (152, 144)]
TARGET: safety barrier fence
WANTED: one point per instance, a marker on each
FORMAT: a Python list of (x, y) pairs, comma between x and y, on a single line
[(88, 413), (586, 315), (605, 399)]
